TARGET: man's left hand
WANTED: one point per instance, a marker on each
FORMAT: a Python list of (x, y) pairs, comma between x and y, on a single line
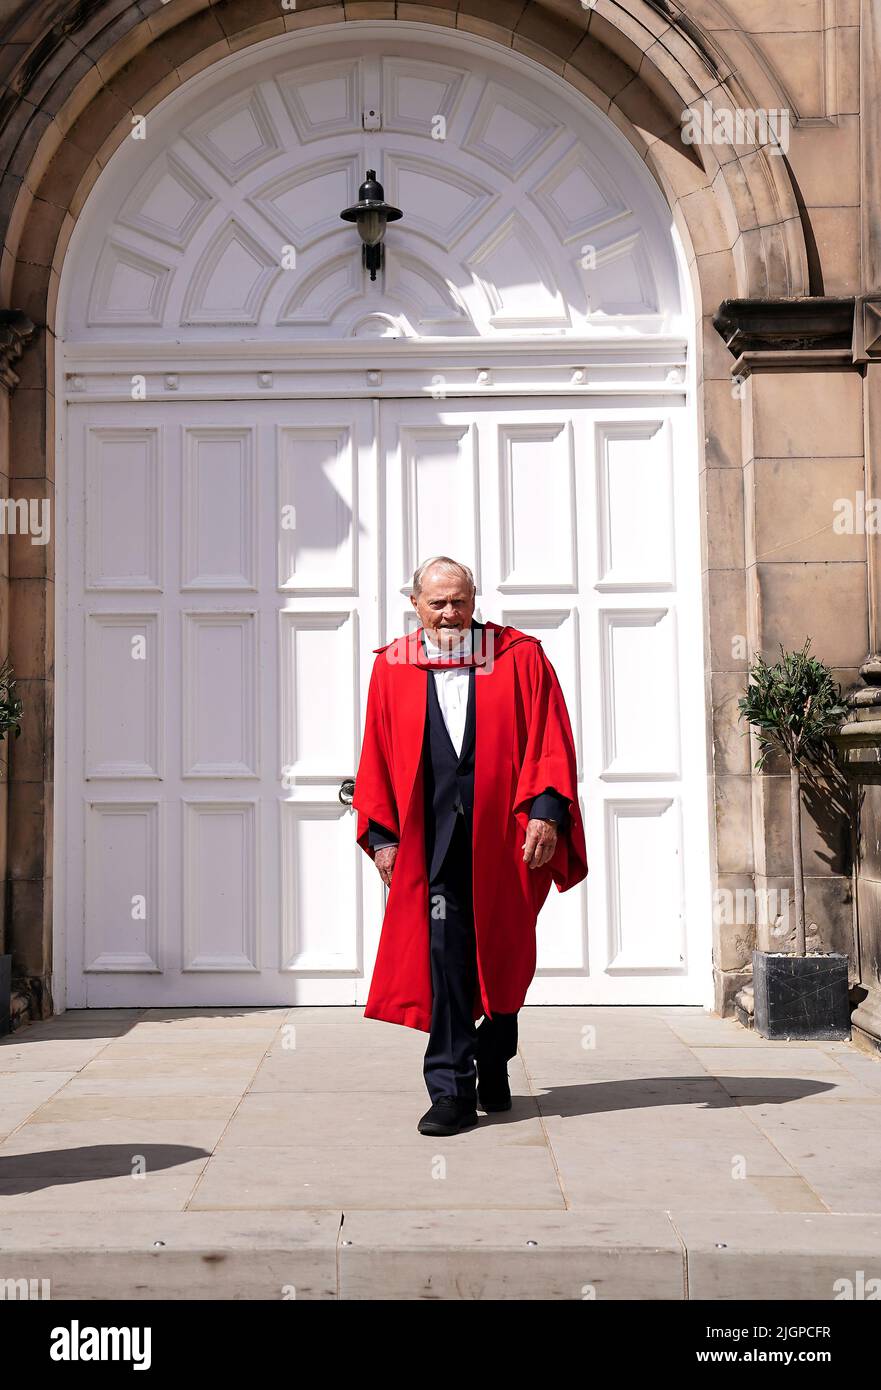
[(541, 841)]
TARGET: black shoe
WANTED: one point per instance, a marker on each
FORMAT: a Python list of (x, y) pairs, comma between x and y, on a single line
[(447, 1116), (493, 1091)]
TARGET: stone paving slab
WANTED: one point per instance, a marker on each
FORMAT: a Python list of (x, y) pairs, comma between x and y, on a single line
[(787, 1090), (57, 1054), (866, 1070), (768, 1061), (56, 1194), (445, 1175), (674, 1156), (175, 1255), (511, 1255), (318, 1119), (338, 1070), (779, 1257)]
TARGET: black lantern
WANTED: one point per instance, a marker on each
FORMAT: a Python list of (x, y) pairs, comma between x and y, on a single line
[(371, 213)]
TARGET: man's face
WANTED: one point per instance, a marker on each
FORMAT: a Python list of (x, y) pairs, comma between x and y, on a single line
[(444, 605)]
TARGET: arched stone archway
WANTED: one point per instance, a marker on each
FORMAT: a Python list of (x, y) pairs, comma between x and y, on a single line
[(524, 406), (736, 210), (637, 66)]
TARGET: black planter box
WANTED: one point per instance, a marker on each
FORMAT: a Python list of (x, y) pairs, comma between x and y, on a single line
[(801, 997), (5, 993)]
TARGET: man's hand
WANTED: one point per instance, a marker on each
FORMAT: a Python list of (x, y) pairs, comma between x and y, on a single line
[(384, 859), (541, 841)]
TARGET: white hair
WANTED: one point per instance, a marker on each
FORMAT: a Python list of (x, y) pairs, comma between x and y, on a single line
[(445, 563)]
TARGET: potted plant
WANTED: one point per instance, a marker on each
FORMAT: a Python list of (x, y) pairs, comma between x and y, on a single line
[(795, 706), (10, 722)]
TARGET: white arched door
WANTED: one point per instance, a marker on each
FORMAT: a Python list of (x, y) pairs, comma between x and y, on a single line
[(259, 445)]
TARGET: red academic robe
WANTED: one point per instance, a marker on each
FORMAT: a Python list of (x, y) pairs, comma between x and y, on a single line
[(523, 743)]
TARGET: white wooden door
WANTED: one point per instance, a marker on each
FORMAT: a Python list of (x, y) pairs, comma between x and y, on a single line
[(222, 582), (580, 523), (229, 568)]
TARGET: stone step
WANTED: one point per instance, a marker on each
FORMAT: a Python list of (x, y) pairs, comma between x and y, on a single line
[(441, 1255)]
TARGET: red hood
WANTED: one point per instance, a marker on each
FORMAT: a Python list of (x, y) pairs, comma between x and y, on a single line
[(499, 639)]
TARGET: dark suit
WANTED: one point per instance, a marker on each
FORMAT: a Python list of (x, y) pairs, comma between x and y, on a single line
[(449, 806)]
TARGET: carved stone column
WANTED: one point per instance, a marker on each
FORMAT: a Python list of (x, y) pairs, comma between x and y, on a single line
[(860, 739), (859, 742), (800, 394), (15, 332)]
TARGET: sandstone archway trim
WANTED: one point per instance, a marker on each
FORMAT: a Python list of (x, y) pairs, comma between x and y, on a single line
[(71, 101)]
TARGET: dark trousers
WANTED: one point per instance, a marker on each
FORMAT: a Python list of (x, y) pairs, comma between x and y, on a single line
[(454, 1042)]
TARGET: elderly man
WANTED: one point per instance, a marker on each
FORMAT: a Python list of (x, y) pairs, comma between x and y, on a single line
[(466, 800)]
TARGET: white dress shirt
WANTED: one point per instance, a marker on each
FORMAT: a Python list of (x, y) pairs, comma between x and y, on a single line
[(452, 685)]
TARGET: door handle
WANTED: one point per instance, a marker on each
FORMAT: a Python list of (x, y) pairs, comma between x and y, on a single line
[(347, 790)]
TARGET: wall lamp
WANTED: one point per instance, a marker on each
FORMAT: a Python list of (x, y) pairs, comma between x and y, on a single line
[(370, 214)]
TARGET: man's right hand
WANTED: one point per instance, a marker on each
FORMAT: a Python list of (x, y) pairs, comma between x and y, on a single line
[(384, 859)]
